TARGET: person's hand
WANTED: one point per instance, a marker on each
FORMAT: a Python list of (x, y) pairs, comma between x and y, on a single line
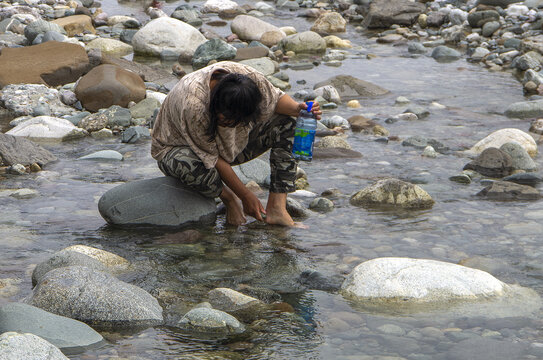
[(252, 206), (315, 110)]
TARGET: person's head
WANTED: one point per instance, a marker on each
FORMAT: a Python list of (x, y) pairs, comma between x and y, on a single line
[(235, 99)]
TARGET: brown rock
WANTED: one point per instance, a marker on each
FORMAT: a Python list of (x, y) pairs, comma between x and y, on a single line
[(75, 24), (271, 38), (147, 73), (251, 53), (360, 123), (108, 85), (51, 63)]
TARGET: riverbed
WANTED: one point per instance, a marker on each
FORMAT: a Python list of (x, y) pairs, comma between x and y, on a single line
[(466, 103)]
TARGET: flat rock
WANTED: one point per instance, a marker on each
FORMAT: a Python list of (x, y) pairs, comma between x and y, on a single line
[(251, 52), (231, 301), (18, 150), (75, 24), (350, 88), (159, 201), (103, 155), (524, 179), (71, 336), (263, 65), (60, 63), (48, 128), (96, 298), (383, 13), (393, 192), (419, 280), (148, 73), (506, 190), (525, 109), (335, 153), (110, 47), (485, 348), (15, 346)]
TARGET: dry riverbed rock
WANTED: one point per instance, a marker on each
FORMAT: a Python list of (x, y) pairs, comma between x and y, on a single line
[(395, 193), (15, 346)]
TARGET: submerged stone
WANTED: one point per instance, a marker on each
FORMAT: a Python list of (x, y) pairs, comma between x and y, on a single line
[(393, 192), (506, 190), (160, 201), (205, 320)]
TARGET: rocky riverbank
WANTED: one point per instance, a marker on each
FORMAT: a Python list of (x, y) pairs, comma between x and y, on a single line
[(70, 74)]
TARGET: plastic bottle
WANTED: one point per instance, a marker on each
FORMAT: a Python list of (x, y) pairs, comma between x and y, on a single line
[(304, 136)]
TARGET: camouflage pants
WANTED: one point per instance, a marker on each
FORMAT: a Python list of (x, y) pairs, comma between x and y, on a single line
[(277, 134)]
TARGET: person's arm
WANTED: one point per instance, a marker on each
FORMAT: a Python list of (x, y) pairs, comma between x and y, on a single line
[(288, 106), (251, 205)]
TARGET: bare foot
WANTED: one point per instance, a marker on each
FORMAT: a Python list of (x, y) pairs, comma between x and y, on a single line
[(234, 213), (279, 217)]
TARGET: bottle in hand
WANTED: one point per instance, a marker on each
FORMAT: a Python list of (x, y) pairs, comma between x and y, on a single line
[(304, 136)]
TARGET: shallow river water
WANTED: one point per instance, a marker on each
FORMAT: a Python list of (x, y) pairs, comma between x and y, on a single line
[(324, 325)]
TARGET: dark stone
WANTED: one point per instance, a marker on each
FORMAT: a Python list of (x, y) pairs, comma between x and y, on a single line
[(214, 49), (350, 88), (160, 201), (421, 142), (479, 18), (436, 19), (335, 153), (135, 133), (314, 280), (524, 179), (127, 35), (492, 162), (17, 150), (505, 190), (384, 13)]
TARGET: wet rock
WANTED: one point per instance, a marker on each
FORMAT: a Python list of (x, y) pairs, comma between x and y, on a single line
[(264, 65), (536, 126), (393, 192), (231, 301), (71, 336), (204, 320), (214, 49), (18, 150), (321, 204), (524, 179), (490, 28), (485, 348), (296, 209), (330, 22), (314, 280), (135, 133), (75, 24), (492, 162), (307, 42), (505, 190), (335, 153), (360, 123), (251, 28), (24, 194), (503, 136), (443, 53), (520, 157), (27, 346), (147, 73), (41, 27), (108, 85), (159, 201), (48, 128), (335, 42), (60, 63), (419, 280), (256, 170), (479, 18), (416, 48), (420, 111), (350, 88), (110, 47), (383, 14), (103, 155), (525, 109), (64, 258), (96, 298), (420, 142), (162, 34)]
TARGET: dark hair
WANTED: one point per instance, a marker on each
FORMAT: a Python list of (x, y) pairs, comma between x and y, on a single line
[(237, 98)]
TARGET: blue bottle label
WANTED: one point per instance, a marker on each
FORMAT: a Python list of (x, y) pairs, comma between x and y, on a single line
[(303, 143)]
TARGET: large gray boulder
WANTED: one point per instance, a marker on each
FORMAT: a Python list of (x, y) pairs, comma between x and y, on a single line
[(96, 298), (350, 88), (256, 170), (419, 280), (395, 193), (160, 201), (17, 150), (71, 336), (384, 13), (307, 42), (15, 346)]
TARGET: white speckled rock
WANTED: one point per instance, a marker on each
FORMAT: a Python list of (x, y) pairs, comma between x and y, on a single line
[(216, 6), (503, 136), (105, 257), (49, 128), (15, 346), (163, 34), (419, 280), (204, 320), (393, 192), (110, 47), (230, 300)]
